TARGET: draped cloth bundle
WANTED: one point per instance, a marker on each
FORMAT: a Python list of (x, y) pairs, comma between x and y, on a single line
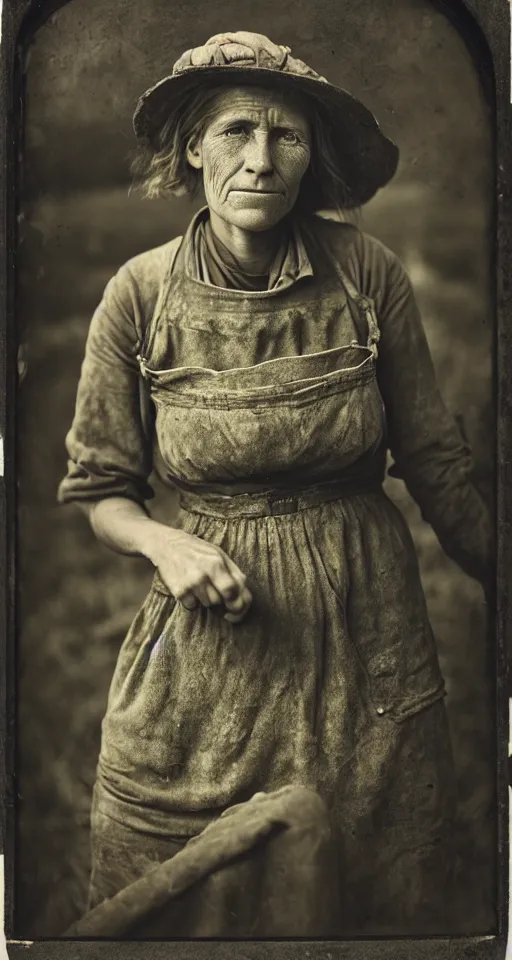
[(265, 868)]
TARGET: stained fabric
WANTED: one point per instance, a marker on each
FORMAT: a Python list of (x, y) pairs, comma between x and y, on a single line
[(266, 868), (332, 680)]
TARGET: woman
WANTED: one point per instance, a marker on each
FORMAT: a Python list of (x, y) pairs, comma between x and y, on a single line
[(285, 638)]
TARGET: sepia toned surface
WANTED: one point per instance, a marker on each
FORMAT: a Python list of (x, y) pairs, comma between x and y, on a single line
[(76, 599)]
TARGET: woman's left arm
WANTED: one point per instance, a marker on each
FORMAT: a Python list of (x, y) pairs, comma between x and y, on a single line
[(429, 453)]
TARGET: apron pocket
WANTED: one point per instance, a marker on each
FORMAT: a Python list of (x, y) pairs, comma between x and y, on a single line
[(405, 709), (407, 691)]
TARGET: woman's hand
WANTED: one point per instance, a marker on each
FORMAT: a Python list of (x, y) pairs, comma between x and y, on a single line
[(197, 572), (193, 570)]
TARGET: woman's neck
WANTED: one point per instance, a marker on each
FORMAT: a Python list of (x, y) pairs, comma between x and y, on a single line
[(254, 251)]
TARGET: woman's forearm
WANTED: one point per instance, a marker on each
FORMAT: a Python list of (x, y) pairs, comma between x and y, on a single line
[(194, 571), (124, 526), (441, 487)]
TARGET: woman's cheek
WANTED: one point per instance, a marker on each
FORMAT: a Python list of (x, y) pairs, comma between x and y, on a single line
[(292, 165), (219, 169), (301, 160)]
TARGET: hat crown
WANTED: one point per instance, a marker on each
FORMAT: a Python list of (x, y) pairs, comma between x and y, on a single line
[(243, 49)]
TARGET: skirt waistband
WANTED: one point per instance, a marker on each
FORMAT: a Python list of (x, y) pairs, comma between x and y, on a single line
[(276, 502)]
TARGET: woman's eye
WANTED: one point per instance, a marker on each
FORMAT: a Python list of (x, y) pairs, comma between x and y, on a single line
[(289, 136), (234, 131)]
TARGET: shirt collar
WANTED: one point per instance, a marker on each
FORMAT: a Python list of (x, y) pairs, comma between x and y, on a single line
[(289, 266), (296, 263)]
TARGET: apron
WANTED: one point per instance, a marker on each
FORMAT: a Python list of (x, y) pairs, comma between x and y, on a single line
[(332, 680)]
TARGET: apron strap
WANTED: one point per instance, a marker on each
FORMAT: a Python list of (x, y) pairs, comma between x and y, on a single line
[(147, 332), (364, 306), (146, 335)]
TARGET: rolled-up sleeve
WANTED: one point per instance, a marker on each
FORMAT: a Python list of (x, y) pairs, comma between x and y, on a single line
[(109, 452), (424, 440)]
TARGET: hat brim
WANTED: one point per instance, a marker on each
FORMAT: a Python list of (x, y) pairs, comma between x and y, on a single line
[(368, 159)]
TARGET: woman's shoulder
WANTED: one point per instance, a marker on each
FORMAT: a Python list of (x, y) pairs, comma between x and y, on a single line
[(370, 264), (149, 268), (134, 289), (348, 239)]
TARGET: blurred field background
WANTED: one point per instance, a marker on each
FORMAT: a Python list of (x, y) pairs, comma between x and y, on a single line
[(78, 224)]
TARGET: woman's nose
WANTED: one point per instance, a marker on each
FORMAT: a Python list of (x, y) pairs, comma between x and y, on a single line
[(258, 154)]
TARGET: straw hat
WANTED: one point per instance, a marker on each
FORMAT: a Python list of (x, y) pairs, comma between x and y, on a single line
[(368, 159)]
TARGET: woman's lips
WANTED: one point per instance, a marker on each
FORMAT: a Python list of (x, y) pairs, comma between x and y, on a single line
[(251, 196), (249, 190)]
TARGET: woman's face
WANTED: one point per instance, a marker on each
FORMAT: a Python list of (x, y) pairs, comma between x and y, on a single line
[(253, 154)]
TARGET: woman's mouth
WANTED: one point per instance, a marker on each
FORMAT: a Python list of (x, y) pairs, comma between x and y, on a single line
[(250, 194), (257, 193)]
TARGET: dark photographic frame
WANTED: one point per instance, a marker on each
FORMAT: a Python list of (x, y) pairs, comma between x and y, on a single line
[(485, 27)]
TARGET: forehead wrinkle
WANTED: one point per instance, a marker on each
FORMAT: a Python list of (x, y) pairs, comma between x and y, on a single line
[(256, 105)]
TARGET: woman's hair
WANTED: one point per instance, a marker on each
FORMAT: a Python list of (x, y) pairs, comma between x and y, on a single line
[(162, 170)]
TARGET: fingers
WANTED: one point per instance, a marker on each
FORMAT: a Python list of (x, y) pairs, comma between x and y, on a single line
[(216, 581), (207, 596), (225, 585), (189, 600), (239, 607), (239, 604), (204, 594), (229, 581), (213, 596)]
